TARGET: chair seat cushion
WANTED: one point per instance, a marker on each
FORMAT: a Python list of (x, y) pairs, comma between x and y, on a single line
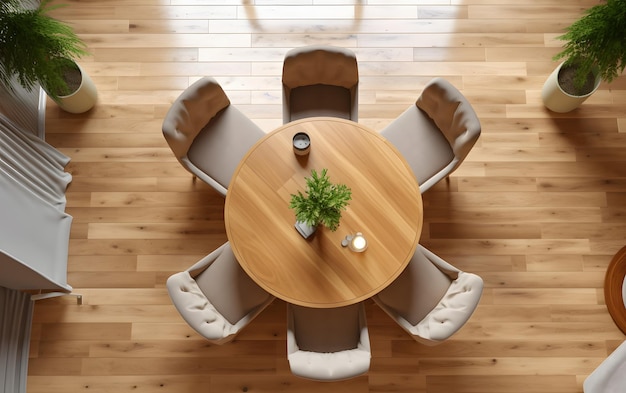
[(331, 366), (417, 290), (196, 309), (220, 146), (327, 329), (454, 309), (422, 144), (320, 100), (229, 288)]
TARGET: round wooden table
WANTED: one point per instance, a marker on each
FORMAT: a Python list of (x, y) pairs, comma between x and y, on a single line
[(386, 207), (615, 287)]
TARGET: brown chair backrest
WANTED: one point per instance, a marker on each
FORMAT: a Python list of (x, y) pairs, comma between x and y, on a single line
[(191, 112), (320, 70), (309, 65), (452, 114)]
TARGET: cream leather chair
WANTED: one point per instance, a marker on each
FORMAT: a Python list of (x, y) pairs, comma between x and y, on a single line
[(320, 80), (216, 297), (207, 134), (436, 134), (327, 344), (431, 299), (610, 376)]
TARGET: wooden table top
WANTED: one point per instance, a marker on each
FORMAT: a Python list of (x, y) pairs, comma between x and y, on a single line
[(386, 207)]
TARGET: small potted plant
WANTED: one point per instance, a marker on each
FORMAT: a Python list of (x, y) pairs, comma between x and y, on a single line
[(322, 203), (36, 48), (594, 50)]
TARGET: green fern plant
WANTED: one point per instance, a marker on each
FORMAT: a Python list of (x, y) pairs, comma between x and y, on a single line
[(36, 48), (597, 41), (323, 202)]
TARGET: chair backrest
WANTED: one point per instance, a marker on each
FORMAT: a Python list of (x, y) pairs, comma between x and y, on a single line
[(324, 69), (216, 297), (431, 299), (320, 64), (452, 113), (328, 343), (191, 112)]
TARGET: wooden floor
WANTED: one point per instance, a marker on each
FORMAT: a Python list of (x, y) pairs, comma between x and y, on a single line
[(537, 209)]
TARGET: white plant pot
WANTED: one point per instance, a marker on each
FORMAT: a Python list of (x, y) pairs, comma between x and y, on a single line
[(83, 99), (304, 229), (557, 100)]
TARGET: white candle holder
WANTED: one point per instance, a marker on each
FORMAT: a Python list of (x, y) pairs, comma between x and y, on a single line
[(356, 243)]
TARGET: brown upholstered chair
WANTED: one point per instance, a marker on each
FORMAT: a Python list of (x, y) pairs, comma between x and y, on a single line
[(207, 134), (436, 134), (216, 297), (431, 299), (320, 80), (328, 344)]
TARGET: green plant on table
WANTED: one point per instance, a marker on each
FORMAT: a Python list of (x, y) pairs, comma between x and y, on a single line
[(323, 201)]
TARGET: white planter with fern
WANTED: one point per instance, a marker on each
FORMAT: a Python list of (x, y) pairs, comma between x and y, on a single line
[(594, 49), (322, 204), (556, 99), (52, 47), (83, 98)]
